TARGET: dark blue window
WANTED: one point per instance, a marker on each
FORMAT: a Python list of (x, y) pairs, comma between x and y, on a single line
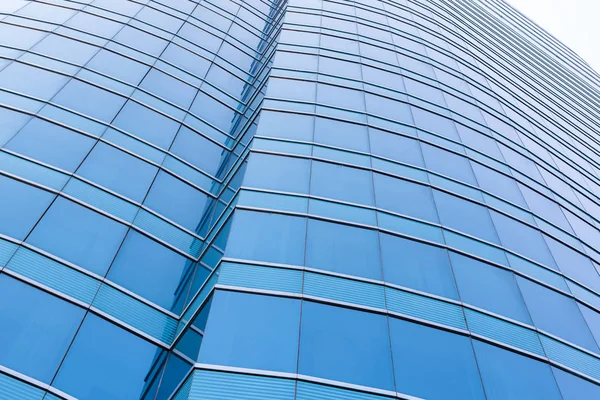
[(37, 329), (78, 235), (345, 345), (252, 331), (341, 183), (105, 362), (433, 364)]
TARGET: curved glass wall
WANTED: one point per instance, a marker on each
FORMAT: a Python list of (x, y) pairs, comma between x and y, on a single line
[(302, 199)]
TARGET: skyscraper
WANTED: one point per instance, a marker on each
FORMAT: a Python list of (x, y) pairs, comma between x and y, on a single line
[(295, 200)]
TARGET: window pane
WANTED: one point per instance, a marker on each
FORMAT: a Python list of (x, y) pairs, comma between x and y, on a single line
[(433, 364), (556, 314), (252, 331), (485, 286), (105, 362), (89, 100), (574, 264), (51, 144), (118, 171), (146, 124), (342, 248), (465, 216), (417, 265), (21, 206), (37, 329), (78, 235), (148, 269), (498, 184), (267, 237), (287, 174), (345, 345), (341, 134), (448, 164), (574, 388), (341, 183), (197, 150), (404, 197), (396, 147), (507, 375)]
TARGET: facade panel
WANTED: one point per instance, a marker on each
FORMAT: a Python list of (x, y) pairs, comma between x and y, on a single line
[(301, 199)]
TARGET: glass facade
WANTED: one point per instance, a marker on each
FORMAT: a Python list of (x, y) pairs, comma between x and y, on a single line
[(295, 200)]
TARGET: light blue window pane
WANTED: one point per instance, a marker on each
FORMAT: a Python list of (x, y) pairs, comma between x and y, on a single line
[(79, 235), (592, 318), (51, 144), (522, 239), (267, 237), (404, 197), (575, 388), (556, 314), (89, 100), (573, 264), (479, 141), (341, 183), (448, 164), (488, 287), (31, 81), (341, 155), (434, 123), (543, 274), (12, 122), (118, 171), (395, 147), (341, 97), (21, 206), (273, 201), (177, 201), (545, 208), (118, 66), (465, 216), (345, 345), (507, 375), (498, 184), (148, 268), (37, 329), (69, 50), (285, 125), (169, 88), (341, 134), (423, 355), (342, 248), (103, 353), (197, 150), (342, 212), (286, 174), (388, 108), (345, 290), (252, 331), (475, 247), (146, 124), (417, 265)]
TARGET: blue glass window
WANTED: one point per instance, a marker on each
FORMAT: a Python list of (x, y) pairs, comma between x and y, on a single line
[(197, 150), (556, 314), (465, 216), (434, 123), (345, 345), (146, 124), (498, 184), (343, 248), (118, 66), (574, 264), (388, 108), (267, 237), (507, 375), (105, 362), (69, 50), (545, 208), (118, 171), (339, 97), (252, 331), (287, 174), (177, 200), (169, 88), (51, 144), (479, 141), (396, 147), (37, 329), (21, 206), (286, 125), (148, 269), (78, 235), (592, 318), (417, 265), (448, 164), (33, 81), (341, 134), (404, 197), (485, 286), (433, 364), (89, 100), (341, 183), (574, 388), (12, 121), (521, 238)]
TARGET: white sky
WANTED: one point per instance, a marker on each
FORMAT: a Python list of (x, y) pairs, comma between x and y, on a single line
[(576, 23)]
